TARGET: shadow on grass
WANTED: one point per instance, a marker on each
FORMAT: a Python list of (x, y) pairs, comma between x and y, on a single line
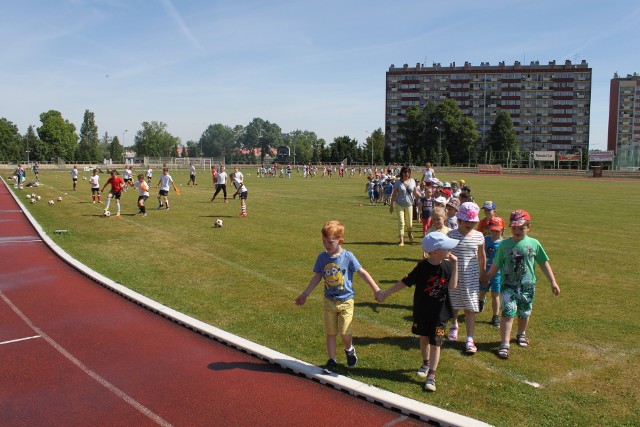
[(408, 342), (371, 243), (374, 306), (412, 260), (398, 375)]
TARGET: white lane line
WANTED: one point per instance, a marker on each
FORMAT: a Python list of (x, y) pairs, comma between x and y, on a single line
[(396, 421), (115, 390), (3, 241), (19, 339)]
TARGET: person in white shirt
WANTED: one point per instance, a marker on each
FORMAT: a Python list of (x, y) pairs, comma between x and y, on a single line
[(239, 175), (192, 175), (143, 187), (165, 184), (221, 185), (94, 180), (427, 173), (241, 190), (74, 177)]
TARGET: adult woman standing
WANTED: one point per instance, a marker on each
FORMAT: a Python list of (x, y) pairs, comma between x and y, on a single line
[(404, 192)]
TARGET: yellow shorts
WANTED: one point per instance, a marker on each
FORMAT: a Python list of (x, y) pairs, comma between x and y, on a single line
[(338, 316)]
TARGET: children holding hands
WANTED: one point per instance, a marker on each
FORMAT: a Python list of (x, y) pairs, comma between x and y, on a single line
[(516, 258), (433, 278), (336, 267)]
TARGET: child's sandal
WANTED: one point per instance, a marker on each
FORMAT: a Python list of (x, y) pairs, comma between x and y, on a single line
[(503, 353), (453, 333), (522, 340)]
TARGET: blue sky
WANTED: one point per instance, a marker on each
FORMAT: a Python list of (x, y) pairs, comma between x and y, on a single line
[(317, 66)]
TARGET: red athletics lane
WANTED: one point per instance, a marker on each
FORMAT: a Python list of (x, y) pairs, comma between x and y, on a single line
[(73, 353)]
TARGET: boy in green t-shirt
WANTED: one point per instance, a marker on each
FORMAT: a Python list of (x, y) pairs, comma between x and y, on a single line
[(516, 258)]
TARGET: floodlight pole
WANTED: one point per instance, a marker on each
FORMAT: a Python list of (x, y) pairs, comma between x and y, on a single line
[(124, 152), (439, 146)]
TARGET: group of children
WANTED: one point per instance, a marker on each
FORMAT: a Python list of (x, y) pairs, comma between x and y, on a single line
[(459, 267), (118, 184), (165, 183)]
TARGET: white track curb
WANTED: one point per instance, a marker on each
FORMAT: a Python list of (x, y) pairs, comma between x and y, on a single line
[(404, 405)]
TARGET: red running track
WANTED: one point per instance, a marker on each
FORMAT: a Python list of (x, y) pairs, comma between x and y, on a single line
[(73, 353)]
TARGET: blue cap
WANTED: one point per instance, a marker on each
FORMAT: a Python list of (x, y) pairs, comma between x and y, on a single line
[(437, 240)]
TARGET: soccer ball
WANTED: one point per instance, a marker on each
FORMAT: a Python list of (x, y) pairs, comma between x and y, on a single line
[(28, 196), (84, 177), (218, 223), (59, 199), (38, 197), (107, 213), (33, 194), (33, 200), (51, 202)]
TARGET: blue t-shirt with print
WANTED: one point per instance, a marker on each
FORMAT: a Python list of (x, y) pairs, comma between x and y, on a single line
[(490, 248), (337, 274)]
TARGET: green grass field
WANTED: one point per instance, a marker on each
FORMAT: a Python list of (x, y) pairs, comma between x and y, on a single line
[(580, 369)]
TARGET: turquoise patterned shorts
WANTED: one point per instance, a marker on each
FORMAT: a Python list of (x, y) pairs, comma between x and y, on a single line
[(517, 301)]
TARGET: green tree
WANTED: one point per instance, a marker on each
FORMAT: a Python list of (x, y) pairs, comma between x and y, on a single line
[(342, 148), (59, 136), (104, 147), (460, 132), (302, 145), (438, 128), (261, 134), (219, 140), (374, 145), (153, 140), (33, 145), (88, 150), (10, 142), (502, 137), (116, 150)]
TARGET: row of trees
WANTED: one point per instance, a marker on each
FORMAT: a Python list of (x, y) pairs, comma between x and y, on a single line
[(443, 134), (439, 133), (56, 139)]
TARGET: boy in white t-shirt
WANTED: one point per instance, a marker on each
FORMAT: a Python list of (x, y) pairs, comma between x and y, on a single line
[(94, 180), (143, 187), (74, 177), (165, 185), (241, 189)]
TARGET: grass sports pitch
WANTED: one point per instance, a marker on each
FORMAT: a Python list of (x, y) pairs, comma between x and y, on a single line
[(581, 367)]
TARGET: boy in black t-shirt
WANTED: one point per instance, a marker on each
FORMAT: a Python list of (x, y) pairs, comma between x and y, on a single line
[(433, 278)]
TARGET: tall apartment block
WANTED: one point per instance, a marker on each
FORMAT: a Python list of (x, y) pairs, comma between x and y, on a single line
[(549, 104), (624, 112)]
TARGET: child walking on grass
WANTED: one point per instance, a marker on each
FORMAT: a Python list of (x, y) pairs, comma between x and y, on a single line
[(516, 257), (336, 267), (471, 268), (433, 278)]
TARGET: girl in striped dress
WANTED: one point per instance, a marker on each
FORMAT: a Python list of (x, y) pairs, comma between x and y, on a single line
[(471, 268)]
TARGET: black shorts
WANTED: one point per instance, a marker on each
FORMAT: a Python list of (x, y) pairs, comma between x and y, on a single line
[(142, 198), (435, 330), (115, 194), (163, 193), (95, 190), (243, 195)]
